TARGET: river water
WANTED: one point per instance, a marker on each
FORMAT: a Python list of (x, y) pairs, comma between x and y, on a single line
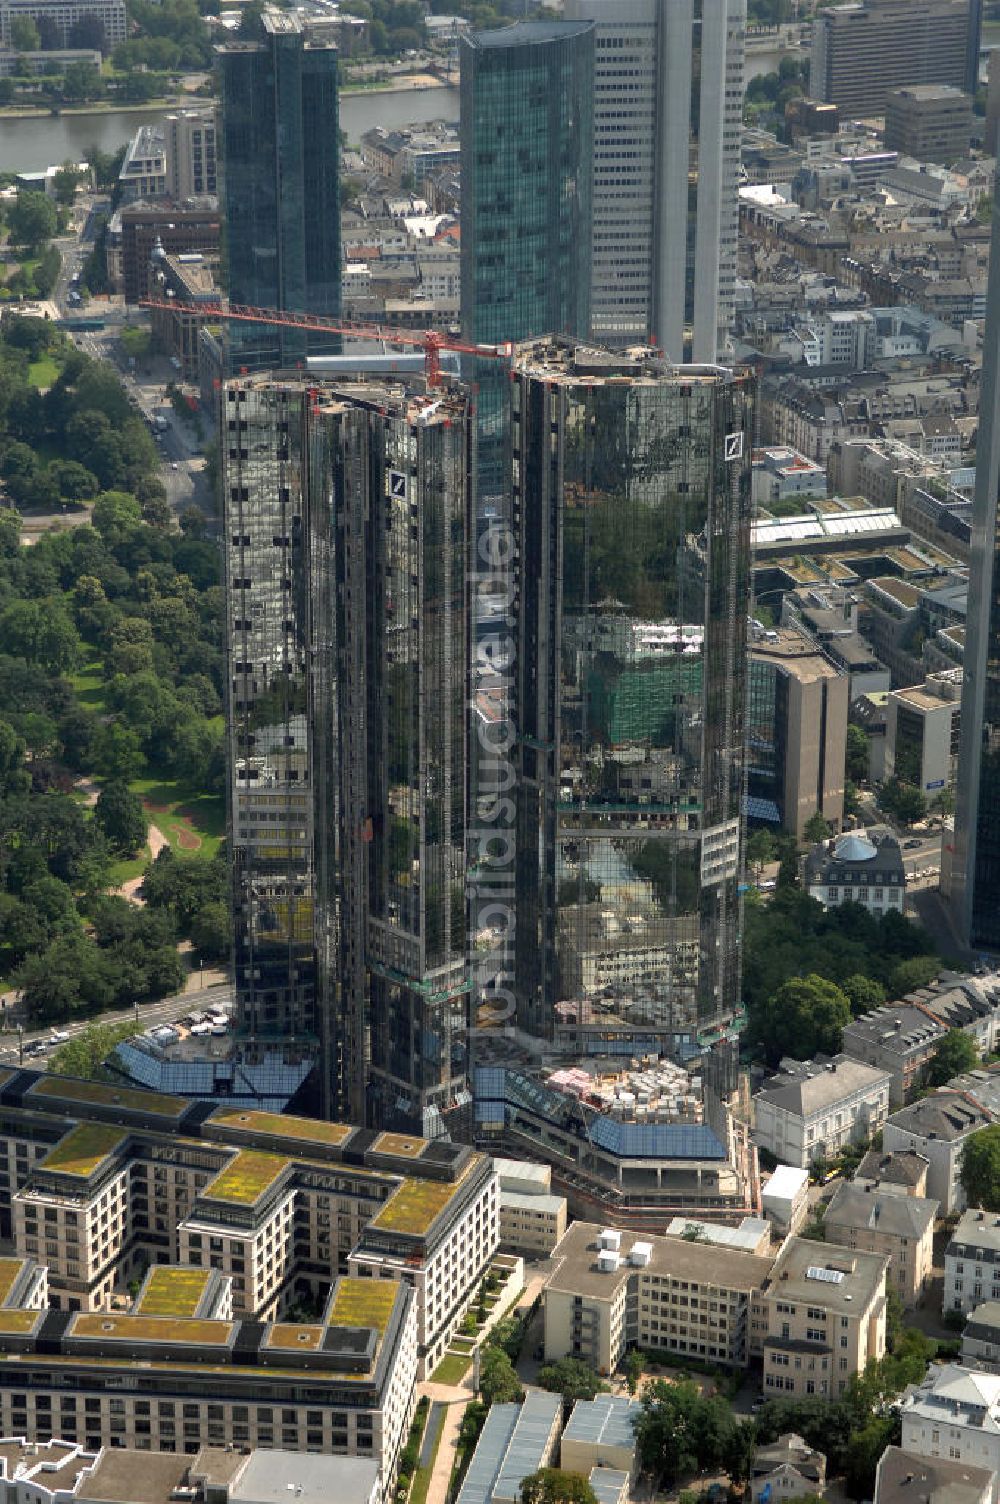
[(29, 145)]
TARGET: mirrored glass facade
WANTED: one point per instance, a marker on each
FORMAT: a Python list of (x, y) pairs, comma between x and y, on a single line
[(347, 518), (631, 487), (281, 149)]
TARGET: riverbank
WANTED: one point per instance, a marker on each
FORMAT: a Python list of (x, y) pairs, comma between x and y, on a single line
[(401, 84), (99, 107)]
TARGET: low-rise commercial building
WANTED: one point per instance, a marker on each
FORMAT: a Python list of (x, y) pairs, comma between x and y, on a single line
[(954, 1415), (858, 868), (880, 1222), (65, 16), (824, 1314), (932, 122), (785, 1198), (815, 1108), (344, 1383), (622, 1171), (532, 1219), (938, 1127), (611, 1290), (516, 1440), (781, 472), (601, 1433), (797, 731), (103, 1181), (922, 733), (909, 1478), (972, 1261)]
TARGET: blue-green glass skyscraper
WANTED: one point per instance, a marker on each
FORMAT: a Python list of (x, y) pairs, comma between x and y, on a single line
[(281, 150), (527, 140)]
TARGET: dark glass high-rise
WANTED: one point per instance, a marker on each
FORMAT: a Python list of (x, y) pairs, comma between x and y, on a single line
[(280, 135), (631, 491)]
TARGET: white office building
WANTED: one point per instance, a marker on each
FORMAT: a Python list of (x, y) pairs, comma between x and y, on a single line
[(664, 251)]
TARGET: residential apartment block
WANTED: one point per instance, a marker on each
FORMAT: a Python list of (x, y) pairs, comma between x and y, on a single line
[(972, 1261), (937, 1128), (937, 1478), (881, 1222), (900, 1038), (955, 1415), (981, 1338), (824, 1318), (813, 1109), (101, 1181), (612, 1290)]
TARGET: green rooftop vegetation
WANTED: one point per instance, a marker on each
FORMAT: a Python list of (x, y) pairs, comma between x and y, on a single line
[(172, 1291), (413, 1207), (80, 1151), (9, 1271), (290, 1335), (403, 1145), (101, 1094), (246, 1177), (99, 1325), (363, 1302), (305, 1130), (14, 1322)]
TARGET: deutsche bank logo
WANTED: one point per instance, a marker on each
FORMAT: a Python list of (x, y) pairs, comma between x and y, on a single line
[(734, 446), (397, 483)]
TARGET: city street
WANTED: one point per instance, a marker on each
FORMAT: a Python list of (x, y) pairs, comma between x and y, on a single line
[(204, 991)]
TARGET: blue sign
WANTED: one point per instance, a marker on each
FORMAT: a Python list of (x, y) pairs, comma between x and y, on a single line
[(937, 784)]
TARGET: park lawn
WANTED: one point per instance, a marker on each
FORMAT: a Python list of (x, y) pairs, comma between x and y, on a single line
[(127, 867), (451, 1370), (43, 373), (192, 821), (89, 685)]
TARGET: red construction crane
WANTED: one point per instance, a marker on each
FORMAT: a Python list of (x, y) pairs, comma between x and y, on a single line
[(431, 341)]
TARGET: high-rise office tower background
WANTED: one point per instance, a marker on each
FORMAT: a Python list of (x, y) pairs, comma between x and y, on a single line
[(281, 154), (347, 516), (632, 499), (971, 869), (861, 51), (668, 109), (527, 103)]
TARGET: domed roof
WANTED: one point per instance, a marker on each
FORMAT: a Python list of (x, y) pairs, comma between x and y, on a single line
[(855, 847)]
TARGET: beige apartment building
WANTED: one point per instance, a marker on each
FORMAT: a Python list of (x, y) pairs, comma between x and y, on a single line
[(884, 1222), (613, 1290), (824, 1314), (532, 1219), (102, 1181)]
